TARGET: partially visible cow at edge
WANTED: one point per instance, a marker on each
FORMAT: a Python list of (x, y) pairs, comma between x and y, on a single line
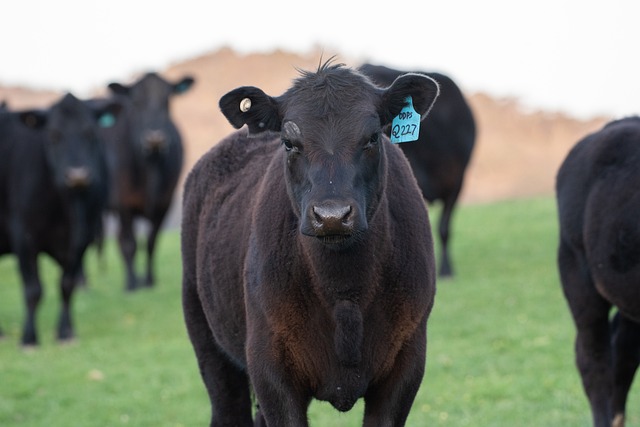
[(308, 260), (145, 158), (440, 156), (598, 196), (53, 190)]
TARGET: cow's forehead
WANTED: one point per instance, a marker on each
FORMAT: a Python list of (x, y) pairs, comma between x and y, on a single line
[(353, 125), (70, 112), (151, 86), (345, 113)]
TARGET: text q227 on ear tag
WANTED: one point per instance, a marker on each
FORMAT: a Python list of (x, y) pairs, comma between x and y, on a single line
[(405, 127)]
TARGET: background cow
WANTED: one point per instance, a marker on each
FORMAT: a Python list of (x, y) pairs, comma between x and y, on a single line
[(307, 253), (145, 158), (440, 156), (53, 189), (598, 194)]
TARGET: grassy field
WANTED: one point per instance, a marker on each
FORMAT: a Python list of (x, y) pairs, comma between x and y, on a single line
[(500, 340)]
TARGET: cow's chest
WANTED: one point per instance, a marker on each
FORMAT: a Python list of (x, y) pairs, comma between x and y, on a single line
[(308, 349)]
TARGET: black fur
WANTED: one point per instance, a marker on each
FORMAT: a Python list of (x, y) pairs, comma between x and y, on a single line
[(145, 158), (307, 253), (440, 156), (53, 190), (598, 194)]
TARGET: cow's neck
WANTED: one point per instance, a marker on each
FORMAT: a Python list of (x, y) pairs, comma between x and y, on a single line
[(351, 274), (346, 282)]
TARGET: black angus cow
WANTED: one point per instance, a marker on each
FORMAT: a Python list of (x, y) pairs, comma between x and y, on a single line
[(440, 156), (53, 190), (145, 158), (598, 196), (308, 259)]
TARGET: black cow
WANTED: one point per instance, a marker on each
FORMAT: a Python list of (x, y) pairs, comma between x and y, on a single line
[(307, 252), (440, 156), (146, 153), (53, 189), (598, 195)]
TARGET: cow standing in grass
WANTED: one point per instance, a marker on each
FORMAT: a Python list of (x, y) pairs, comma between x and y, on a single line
[(598, 193), (440, 156), (145, 158), (53, 190), (307, 253)]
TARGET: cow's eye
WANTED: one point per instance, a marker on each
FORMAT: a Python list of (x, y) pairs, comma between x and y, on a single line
[(373, 141), (289, 146)]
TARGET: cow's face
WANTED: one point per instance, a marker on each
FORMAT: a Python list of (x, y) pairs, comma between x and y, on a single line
[(73, 150), (330, 124), (151, 124)]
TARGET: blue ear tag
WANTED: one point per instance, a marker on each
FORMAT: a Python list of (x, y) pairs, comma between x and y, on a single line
[(106, 120), (405, 127)]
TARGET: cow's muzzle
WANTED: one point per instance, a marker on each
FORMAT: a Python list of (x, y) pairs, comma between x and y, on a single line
[(77, 177), (333, 223), (155, 141)]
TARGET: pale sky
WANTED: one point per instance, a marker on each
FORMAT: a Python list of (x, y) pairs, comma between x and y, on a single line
[(577, 56)]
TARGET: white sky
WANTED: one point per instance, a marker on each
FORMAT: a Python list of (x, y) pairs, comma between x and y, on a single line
[(578, 56)]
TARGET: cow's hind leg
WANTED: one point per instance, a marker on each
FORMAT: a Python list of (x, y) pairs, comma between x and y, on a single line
[(446, 269), (226, 383), (626, 357), (593, 343)]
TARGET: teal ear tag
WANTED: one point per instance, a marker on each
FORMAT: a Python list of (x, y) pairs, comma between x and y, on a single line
[(106, 120), (405, 127)]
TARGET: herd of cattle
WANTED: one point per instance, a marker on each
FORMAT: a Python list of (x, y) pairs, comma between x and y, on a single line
[(63, 168), (308, 261)]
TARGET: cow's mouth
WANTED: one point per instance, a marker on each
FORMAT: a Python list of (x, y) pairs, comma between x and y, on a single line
[(337, 242), (334, 239)]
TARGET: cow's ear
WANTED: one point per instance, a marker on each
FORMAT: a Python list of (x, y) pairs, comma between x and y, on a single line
[(107, 115), (118, 88), (422, 89), (183, 85), (33, 119), (251, 106)]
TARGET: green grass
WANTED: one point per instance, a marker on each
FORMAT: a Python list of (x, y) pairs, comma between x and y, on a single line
[(500, 347)]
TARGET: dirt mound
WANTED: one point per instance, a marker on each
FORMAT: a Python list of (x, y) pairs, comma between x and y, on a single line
[(517, 152)]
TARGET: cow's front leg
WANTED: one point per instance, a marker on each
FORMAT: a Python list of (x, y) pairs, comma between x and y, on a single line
[(389, 402), (281, 400)]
